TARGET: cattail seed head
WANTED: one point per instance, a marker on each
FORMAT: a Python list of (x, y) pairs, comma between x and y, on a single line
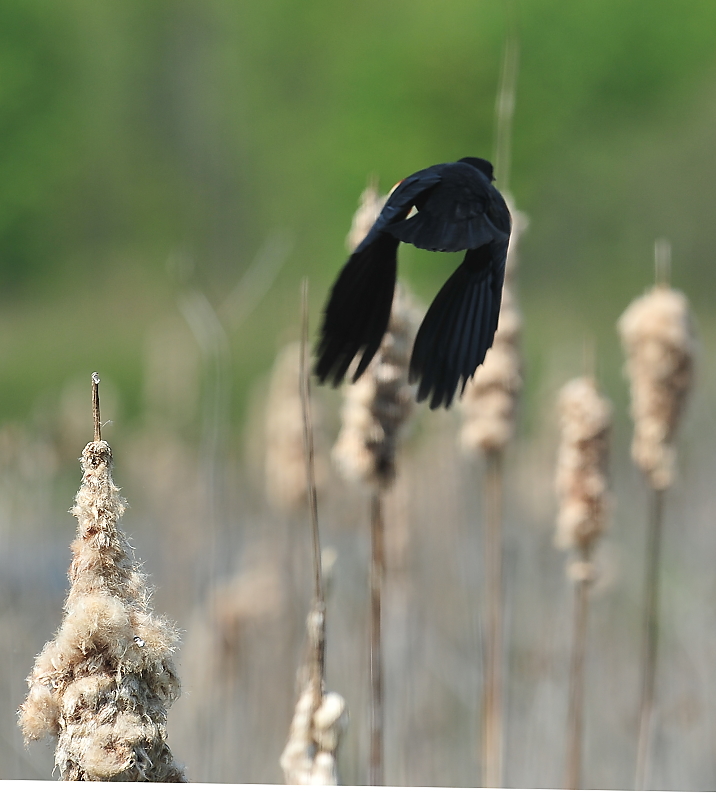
[(379, 403), (490, 400), (309, 757), (581, 479), (285, 464), (659, 344), (370, 205), (520, 223), (104, 684), (319, 720)]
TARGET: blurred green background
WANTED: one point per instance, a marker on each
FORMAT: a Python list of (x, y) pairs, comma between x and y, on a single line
[(147, 145)]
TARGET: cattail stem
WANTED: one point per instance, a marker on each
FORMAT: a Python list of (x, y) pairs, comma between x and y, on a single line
[(492, 721), (377, 570), (575, 709), (651, 637), (95, 407), (308, 445), (318, 600), (309, 757), (505, 104)]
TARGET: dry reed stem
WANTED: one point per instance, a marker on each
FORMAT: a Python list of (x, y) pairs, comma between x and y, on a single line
[(377, 576), (492, 701), (581, 482), (309, 453), (104, 684), (650, 638), (374, 414), (489, 406), (575, 708), (309, 757), (375, 411), (505, 102)]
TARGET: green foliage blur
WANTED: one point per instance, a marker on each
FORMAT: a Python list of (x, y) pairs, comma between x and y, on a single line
[(140, 134)]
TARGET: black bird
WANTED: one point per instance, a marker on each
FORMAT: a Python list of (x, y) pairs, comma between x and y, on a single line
[(458, 208)]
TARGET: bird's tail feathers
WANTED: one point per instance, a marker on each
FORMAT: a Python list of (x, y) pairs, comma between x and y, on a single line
[(458, 329), (358, 310)]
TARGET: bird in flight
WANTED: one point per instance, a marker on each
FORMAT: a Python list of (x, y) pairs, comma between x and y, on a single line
[(457, 208)]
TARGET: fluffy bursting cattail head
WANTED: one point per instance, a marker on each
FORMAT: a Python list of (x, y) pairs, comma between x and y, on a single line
[(658, 340), (104, 684), (319, 720), (581, 481), (377, 405)]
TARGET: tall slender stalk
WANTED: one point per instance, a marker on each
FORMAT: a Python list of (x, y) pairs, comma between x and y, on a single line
[(374, 414), (377, 571), (95, 407), (505, 103), (581, 483), (309, 757), (494, 390), (650, 640), (658, 340), (492, 687), (575, 709), (318, 601)]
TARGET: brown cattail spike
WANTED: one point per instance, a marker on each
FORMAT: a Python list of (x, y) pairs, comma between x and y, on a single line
[(489, 404), (490, 399), (581, 481), (658, 340), (378, 405), (370, 205), (104, 684), (285, 467)]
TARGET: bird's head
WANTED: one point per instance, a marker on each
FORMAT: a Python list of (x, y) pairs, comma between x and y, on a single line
[(484, 166)]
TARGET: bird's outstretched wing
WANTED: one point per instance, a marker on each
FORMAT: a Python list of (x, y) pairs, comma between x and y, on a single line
[(459, 326), (358, 309)]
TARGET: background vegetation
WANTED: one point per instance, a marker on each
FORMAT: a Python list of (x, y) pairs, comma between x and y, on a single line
[(170, 170)]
